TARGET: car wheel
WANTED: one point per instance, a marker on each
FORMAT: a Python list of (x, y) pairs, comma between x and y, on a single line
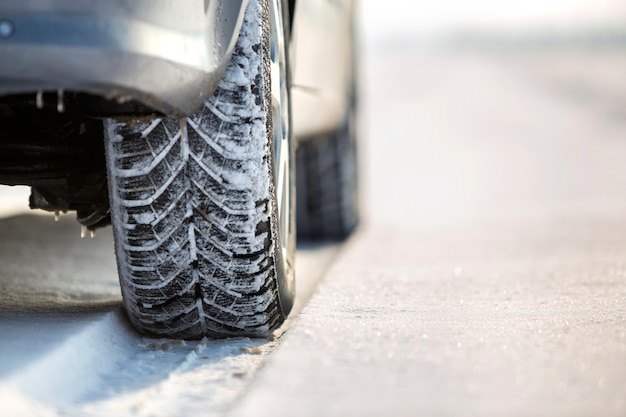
[(203, 207), (327, 173)]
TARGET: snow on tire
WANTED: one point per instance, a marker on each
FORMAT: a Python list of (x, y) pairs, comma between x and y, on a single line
[(194, 207)]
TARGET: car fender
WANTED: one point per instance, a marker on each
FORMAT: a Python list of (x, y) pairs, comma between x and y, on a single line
[(322, 65), (166, 54)]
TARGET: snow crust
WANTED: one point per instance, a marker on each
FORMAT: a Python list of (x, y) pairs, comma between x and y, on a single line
[(106, 370), (67, 349)]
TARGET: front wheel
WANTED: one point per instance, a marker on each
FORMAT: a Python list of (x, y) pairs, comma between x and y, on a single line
[(203, 207)]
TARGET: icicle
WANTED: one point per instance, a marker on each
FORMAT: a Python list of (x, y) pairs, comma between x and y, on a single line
[(92, 233), (39, 100), (60, 103), (56, 216), (83, 231)]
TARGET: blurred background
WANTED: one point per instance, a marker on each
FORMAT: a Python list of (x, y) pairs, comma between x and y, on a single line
[(432, 77), (490, 109), (530, 18)]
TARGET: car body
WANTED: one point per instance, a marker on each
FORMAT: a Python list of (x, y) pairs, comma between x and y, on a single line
[(167, 55)]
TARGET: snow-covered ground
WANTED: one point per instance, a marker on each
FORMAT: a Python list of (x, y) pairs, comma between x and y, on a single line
[(490, 278), (13, 200), (66, 346)]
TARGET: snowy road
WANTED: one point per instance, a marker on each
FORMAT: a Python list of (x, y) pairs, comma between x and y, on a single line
[(66, 347), (491, 278)]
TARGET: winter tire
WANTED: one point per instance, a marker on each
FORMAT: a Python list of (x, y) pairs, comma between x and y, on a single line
[(327, 174), (203, 207), (328, 185)]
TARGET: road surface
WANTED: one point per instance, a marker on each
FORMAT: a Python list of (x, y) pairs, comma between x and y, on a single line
[(67, 348), (490, 279)]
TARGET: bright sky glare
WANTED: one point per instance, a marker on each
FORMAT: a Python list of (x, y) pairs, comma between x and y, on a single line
[(423, 16)]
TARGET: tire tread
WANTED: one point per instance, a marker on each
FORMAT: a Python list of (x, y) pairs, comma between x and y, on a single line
[(192, 207)]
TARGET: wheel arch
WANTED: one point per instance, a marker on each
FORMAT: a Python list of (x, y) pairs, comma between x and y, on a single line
[(166, 54)]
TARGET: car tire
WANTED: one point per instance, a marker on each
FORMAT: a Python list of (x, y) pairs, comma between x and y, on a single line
[(203, 207), (327, 173)]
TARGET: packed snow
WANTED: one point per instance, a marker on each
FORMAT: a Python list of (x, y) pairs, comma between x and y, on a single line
[(67, 347)]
